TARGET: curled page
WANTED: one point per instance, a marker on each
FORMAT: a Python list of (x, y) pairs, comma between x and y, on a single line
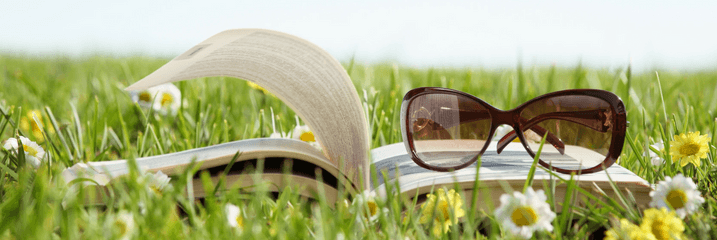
[(302, 75)]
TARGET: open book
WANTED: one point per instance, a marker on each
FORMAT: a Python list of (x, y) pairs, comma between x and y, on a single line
[(319, 90)]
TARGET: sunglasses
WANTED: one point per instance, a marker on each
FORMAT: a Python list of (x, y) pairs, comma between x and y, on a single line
[(446, 129)]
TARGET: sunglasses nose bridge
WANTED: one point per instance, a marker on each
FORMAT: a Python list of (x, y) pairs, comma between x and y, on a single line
[(504, 117)]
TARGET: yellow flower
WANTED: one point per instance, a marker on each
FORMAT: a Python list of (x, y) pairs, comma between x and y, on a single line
[(30, 126), (662, 224), (628, 230), (689, 148), (443, 203)]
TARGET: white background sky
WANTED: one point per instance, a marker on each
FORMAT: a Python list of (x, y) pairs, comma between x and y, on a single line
[(671, 35)]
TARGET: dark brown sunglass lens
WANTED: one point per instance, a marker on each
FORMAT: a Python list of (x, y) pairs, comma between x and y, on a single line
[(579, 130), (447, 130)]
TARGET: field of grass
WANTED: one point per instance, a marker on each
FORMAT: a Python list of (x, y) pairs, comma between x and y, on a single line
[(88, 117)]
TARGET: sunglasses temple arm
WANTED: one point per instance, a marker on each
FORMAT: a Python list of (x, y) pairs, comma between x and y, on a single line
[(552, 139), (472, 116), (598, 120)]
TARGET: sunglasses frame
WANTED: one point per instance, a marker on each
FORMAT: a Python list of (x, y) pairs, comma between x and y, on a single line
[(512, 118)]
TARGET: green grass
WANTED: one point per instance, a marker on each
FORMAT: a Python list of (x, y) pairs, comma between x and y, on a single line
[(88, 117)]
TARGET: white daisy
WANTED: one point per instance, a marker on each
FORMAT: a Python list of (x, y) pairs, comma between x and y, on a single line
[(124, 224), (81, 170), (524, 214), (166, 98), (655, 157), (279, 135), (158, 182), (679, 194), (144, 97), (234, 216), (366, 204), (303, 133), (33, 152)]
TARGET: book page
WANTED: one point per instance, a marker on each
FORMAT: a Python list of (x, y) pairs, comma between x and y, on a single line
[(218, 156), (306, 187), (512, 165), (302, 75)]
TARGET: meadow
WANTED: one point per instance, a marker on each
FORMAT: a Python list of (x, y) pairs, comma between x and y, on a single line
[(86, 115)]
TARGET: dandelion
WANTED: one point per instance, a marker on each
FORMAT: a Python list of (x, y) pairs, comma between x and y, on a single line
[(654, 156), (234, 216), (525, 214), (367, 204), (628, 230), (679, 194), (662, 224), (689, 148), (29, 125), (443, 203), (163, 99), (33, 152), (158, 182), (124, 225)]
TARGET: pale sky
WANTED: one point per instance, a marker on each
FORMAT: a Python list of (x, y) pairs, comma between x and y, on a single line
[(668, 35)]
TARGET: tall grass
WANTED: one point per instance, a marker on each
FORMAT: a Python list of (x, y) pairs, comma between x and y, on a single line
[(86, 116)]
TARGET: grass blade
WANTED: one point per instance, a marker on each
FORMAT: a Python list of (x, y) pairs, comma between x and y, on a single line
[(531, 173)]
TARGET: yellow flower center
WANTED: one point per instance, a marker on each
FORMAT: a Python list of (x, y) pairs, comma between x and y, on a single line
[(372, 208), (145, 96), (445, 214), (167, 99), (156, 190), (660, 229), (121, 226), (240, 221), (307, 137), (524, 216), (676, 198), (689, 149), (29, 150)]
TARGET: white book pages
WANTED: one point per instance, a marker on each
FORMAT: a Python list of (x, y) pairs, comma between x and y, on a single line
[(208, 157), (511, 166), (302, 75)]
